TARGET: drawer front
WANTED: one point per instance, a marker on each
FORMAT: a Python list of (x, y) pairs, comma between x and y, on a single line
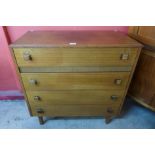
[(74, 110), (75, 97), (73, 57), (75, 81)]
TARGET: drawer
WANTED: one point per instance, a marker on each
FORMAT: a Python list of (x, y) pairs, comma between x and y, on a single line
[(75, 97), (75, 81), (64, 57), (74, 110)]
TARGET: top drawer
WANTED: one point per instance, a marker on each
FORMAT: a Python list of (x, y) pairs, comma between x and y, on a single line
[(63, 57)]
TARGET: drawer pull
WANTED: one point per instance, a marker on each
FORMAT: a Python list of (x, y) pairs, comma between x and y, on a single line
[(37, 98), (109, 110), (114, 97), (40, 111), (27, 57), (118, 81), (124, 56), (33, 82)]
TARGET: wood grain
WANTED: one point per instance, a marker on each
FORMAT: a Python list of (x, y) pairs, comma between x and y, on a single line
[(75, 81), (133, 30), (75, 110), (140, 100), (143, 83), (83, 97), (63, 57), (74, 73), (20, 80), (81, 38), (129, 80), (144, 34), (75, 69)]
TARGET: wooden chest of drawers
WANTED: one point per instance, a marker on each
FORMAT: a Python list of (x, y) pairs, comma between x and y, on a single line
[(82, 73)]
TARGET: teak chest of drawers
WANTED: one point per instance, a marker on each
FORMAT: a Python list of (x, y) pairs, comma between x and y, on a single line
[(75, 73)]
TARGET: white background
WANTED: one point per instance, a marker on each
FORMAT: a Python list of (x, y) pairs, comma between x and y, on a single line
[(77, 142), (77, 12)]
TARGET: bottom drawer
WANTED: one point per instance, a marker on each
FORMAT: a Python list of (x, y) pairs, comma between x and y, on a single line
[(74, 110)]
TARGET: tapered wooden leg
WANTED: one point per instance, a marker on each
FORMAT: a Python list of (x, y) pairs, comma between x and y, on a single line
[(108, 120), (41, 120)]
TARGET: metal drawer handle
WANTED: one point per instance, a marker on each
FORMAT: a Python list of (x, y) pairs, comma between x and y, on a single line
[(124, 56), (27, 56), (37, 98), (118, 81), (40, 111), (33, 82), (114, 97)]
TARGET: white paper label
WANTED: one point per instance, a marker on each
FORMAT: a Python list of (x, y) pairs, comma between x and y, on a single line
[(72, 44)]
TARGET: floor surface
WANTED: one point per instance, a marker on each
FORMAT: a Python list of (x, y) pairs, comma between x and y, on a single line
[(14, 115)]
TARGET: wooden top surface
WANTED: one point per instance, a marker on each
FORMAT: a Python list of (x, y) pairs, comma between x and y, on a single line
[(75, 38)]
